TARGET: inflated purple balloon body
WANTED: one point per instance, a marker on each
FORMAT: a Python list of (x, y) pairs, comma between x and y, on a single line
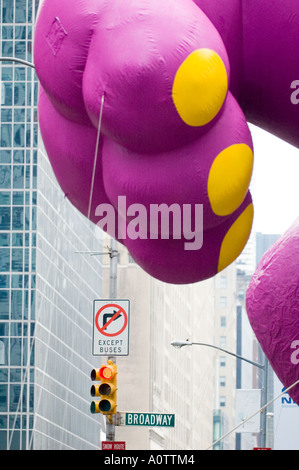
[(273, 307), (119, 60)]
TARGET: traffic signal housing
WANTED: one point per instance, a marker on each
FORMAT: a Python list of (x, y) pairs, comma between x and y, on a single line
[(106, 390)]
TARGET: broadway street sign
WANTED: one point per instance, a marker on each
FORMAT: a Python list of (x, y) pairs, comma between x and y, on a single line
[(144, 419)]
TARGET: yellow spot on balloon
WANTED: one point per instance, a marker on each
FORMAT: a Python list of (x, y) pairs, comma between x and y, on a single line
[(236, 238), (229, 178), (200, 87)]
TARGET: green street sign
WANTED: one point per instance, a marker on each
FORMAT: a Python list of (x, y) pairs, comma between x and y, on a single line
[(145, 419)]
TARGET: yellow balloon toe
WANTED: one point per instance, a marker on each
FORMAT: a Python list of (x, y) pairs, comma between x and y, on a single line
[(229, 178), (200, 87), (236, 238)]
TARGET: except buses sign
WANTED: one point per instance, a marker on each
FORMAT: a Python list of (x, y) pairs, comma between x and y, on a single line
[(145, 419), (111, 327)]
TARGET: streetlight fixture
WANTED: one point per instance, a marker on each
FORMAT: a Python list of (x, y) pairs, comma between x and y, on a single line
[(180, 343)]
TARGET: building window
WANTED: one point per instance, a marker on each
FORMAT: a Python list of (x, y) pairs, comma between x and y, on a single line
[(223, 321), (241, 294), (2, 352), (222, 381), (223, 301), (223, 282), (222, 341), (222, 402), (222, 361)]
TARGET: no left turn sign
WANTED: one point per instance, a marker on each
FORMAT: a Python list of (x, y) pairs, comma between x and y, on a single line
[(111, 327)]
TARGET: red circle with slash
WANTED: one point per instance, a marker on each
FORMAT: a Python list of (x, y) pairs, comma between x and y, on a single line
[(120, 310)]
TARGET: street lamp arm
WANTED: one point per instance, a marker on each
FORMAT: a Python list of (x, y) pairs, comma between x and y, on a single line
[(15, 59), (261, 366), (180, 344)]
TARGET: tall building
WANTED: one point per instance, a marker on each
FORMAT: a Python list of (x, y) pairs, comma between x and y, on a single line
[(225, 370), (250, 377), (263, 242), (47, 285)]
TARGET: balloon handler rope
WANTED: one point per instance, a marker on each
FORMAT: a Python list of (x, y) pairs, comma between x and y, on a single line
[(95, 157)]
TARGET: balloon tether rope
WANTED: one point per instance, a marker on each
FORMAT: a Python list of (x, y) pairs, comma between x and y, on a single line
[(95, 157)]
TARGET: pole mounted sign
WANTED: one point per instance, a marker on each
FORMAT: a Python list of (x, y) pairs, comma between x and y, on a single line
[(113, 445), (145, 419), (111, 327)]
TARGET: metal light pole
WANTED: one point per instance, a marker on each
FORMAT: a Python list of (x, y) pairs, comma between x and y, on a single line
[(113, 253), (110, 420), (264, 367)]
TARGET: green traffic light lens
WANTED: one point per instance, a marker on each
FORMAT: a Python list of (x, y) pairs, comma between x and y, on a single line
[(105, 405), (93, 407)]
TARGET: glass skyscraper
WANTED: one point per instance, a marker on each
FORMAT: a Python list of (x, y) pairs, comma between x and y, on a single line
[(46, 288)]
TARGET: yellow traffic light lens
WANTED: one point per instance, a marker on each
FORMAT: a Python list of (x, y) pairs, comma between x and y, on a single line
[(105, 389)]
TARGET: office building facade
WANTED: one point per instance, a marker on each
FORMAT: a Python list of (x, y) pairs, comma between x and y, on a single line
[(46, 286)]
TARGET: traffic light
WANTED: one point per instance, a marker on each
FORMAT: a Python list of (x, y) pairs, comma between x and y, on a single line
[(106, 390)]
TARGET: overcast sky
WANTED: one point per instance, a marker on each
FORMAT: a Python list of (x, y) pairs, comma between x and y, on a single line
[(275, 183)]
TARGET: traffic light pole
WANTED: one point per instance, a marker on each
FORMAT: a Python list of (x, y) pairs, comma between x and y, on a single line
[(110, 420)]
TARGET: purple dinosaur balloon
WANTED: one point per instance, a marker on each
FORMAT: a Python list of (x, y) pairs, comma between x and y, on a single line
[(143, 109), (139, 66)]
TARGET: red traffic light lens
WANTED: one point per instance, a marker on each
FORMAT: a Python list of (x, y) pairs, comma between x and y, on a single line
[(106, 372)]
